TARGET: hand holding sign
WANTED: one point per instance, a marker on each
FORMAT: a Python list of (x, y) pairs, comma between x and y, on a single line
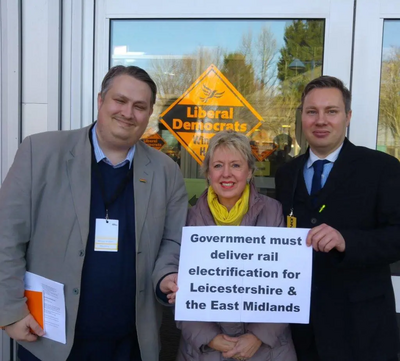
[(244, 274), (169, 286)]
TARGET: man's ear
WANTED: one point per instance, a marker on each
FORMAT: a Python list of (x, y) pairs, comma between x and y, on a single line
[(99, 101), (348, 117)]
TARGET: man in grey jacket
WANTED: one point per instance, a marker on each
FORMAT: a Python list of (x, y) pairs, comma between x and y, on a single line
[(61, 191)]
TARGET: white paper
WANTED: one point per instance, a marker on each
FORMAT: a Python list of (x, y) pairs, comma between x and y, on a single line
[(396, 288), (261, 281), (53, 304)]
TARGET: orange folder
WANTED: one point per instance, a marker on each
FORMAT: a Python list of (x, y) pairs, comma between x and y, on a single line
[(35, 305)]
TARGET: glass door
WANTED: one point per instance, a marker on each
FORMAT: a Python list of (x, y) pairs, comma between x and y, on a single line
[(257, 57)]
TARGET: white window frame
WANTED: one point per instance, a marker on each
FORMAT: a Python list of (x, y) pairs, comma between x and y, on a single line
[(368, 39)]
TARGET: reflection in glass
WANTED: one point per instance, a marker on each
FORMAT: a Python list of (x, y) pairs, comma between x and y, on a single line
[(389, 105), (268, 61)]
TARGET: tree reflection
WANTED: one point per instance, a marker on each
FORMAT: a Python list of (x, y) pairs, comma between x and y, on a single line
[(389, 107), (257, 68)]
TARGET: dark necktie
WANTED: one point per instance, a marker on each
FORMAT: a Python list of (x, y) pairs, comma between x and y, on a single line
[(316, 180)]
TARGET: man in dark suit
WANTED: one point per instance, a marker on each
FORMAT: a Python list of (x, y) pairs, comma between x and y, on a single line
[(351, 202)]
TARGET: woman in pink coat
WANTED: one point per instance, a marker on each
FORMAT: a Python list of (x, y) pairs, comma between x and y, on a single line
[(232, 199)]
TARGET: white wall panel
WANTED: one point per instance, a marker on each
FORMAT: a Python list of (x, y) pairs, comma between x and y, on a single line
[(35, 49), (41, 40), (54, 65), (10, 90), (77, 63), (34, 117), (10, 81)]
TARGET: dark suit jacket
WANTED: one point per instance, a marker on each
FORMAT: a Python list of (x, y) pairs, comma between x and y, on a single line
[(352, 302)]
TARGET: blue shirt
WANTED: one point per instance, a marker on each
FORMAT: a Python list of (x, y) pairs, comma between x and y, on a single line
[(308, 171), (100, 156)]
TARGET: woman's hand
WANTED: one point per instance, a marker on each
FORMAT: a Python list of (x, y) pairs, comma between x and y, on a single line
[(221, 344), (246, 346)]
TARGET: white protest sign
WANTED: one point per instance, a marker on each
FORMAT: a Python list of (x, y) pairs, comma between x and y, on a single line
[(244, 274)]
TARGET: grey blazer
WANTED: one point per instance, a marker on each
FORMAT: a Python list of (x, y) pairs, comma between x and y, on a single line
[(44, 225)]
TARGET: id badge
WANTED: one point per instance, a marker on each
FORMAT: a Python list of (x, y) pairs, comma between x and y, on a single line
[(106, 235), (291, 222)]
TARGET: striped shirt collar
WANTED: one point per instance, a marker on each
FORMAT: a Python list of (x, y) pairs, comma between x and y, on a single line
[(100, 156)]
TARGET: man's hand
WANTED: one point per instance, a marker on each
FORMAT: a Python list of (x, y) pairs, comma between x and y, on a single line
[(169, 286), (22, 329), (221, 344), (324, 238), (246, 346)]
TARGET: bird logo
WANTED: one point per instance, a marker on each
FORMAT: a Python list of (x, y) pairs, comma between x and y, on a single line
[(209, 94)]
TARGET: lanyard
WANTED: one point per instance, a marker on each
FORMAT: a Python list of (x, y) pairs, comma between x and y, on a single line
[(108, 202), (119, 190)]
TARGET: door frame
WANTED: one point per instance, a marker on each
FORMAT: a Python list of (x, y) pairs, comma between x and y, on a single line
[(368, 39)]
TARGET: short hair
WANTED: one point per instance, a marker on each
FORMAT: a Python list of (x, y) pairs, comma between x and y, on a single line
[(134, 72), (233, 141), (326, 81)]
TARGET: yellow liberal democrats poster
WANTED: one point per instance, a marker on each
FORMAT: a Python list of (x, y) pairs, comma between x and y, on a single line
[(211, 104), (155, 141)]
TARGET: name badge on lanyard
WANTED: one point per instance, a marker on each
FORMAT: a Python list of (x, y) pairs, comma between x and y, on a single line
[(106, 235), (106, 232), (291, 221)]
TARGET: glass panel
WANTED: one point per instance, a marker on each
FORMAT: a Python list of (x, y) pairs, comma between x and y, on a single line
[(263, 64), (389, 104)]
